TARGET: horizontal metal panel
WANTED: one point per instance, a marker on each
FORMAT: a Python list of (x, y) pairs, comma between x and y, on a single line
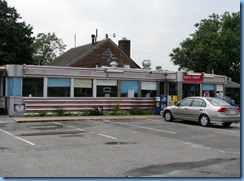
[(81, 83)]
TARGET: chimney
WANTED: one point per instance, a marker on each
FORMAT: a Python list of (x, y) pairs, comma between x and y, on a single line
[(124, 45), (93, 39)]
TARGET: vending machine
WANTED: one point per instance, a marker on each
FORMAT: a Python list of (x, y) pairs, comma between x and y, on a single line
[(161, 103)]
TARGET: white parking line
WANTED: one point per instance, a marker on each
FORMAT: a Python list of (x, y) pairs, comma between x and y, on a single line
[(194, 145), (18, 137), (107, 136), (69, 126), (160, 130)]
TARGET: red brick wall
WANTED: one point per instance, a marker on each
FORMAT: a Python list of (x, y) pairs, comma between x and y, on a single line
[(97, 56)]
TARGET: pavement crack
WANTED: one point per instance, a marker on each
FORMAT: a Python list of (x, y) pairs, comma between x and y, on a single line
[(167, 168)]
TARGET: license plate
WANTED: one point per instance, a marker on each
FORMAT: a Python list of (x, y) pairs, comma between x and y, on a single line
[(232, 112)]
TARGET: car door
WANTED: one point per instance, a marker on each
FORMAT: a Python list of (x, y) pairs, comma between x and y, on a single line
[(181, 110), (195, 110)]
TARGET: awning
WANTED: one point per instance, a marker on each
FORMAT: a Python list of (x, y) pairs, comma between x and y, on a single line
[(231, 84)]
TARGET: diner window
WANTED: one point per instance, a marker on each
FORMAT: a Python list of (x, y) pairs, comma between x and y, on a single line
[(220, 91), (172, 88), (148, 89), (32, 87), (2, 86), (208, 90), (161, 88), (58, 87), (82, 88), (14, 86), (107, 88), (189, 90), (129, 88)]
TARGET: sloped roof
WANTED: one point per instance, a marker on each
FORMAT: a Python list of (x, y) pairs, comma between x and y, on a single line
[(231, 84), (75, 54), (81, 56)]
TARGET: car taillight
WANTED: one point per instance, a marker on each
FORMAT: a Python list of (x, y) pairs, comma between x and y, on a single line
[(239, 109), (222, 109)]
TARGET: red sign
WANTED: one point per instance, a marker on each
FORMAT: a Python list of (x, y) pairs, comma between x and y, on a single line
[(193, 77)]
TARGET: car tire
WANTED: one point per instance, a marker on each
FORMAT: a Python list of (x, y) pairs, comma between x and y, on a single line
[(226, 124), (204, 120), (168, 116)]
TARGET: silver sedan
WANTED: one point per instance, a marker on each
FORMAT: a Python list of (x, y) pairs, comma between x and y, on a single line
[(205, 110)]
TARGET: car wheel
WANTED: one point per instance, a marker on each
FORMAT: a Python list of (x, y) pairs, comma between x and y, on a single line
[(204, 120), (226, 124), (168, 116)]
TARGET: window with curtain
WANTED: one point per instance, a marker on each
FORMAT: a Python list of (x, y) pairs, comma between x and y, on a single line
[(148, 89), (82, 88), (32, 87), (58, 87), (107, 88)]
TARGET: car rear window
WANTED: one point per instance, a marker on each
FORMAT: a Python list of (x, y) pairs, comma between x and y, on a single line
[(218, 102)]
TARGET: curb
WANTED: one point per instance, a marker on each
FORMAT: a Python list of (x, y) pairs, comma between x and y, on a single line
[(79, 118)]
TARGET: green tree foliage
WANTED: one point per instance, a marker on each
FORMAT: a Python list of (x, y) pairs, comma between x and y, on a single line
[(46, 48), (214, 46), (15, 37)]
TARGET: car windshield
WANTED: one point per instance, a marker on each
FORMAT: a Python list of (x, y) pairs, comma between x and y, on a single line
[(218, 102)]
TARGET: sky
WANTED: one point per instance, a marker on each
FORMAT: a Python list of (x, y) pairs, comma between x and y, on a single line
[(154, 27)]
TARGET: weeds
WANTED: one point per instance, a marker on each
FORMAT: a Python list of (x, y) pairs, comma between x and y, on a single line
[(59, 112)]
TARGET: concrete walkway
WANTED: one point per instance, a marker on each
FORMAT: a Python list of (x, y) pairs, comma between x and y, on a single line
[(6, 119), (75, 118)]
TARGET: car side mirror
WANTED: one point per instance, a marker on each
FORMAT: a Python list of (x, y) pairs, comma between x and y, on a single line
[(177, 104)]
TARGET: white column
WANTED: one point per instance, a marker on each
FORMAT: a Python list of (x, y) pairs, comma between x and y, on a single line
[(94, 88), (45, 87), (72, 87)]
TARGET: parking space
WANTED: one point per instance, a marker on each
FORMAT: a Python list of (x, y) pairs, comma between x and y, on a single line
[(84, 147)]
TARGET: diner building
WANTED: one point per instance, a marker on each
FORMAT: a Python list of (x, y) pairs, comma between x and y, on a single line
[(33, 89)]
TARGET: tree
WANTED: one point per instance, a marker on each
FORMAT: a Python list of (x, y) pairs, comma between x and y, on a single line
[(15, 37), (46, 48), (214, 46)]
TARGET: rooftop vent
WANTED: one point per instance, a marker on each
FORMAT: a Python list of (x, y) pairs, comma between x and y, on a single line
[(113, 64), (146, 64), (126, 66), (159, 68)]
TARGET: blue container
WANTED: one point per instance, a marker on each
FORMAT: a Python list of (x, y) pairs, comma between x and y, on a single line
[(161, 103)]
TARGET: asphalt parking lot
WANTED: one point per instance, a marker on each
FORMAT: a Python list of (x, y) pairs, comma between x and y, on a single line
[(142, 147)]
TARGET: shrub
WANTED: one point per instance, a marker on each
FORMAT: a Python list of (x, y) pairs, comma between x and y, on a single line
[(86, 113), (42, 114), (138, 111), (116, 109), (96, 111), (59, 112), (31, 115), (69, 114)]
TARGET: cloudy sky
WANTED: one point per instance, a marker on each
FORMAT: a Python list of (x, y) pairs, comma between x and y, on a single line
[(154, 27)]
